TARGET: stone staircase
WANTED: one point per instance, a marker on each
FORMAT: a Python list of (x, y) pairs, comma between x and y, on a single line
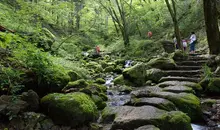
[(186, 70)]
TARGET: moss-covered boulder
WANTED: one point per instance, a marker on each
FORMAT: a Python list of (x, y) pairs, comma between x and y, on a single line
[(136, 74), (154, 74), (98, 102), (180, 55), (74, 76), (162, 63), (73, 109), (95, 66), (118, 69), (119, 80), (109, 69), (81, 83), (100, 81), (125, 89), (213, 86), (185, 102)]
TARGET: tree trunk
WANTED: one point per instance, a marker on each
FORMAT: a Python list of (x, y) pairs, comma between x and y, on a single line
[(211, 22), (175, 22)]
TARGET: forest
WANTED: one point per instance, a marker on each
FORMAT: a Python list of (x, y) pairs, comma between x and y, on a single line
[(109, 65)]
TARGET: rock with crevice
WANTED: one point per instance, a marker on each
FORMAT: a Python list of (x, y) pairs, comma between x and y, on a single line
[(178, 89)]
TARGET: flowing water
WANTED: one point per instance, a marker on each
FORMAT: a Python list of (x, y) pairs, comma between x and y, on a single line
[(201, 127)]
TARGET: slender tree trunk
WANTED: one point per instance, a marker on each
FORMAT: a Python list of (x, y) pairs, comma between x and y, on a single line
[(211, 22), (173, 14)]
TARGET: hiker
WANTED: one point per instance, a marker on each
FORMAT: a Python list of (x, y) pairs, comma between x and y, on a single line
[(175, 42), (192, 43), (97, 50), (149, 34), (184, 42)]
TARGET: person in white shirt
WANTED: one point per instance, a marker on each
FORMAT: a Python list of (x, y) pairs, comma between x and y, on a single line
[(192, 42)]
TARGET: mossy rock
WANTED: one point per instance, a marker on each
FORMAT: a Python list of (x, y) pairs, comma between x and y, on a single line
[(109, 69), (100, 81), (136, 74), (162, 63), (213, 86), (180, 55), (81, 83), (120, 61), (119, 80), (95, 66), (98, 102), (124, 88), (108, 114), (104, 64), (103, 96), (118, 69), (154, 75), (185, 102), (74, 76), (94, 88), (72, 109)]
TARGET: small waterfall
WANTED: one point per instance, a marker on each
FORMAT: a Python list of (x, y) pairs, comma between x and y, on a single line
[(128, 63)]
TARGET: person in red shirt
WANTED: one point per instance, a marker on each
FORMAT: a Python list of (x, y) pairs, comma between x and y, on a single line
[(149, 34), (97, 50)]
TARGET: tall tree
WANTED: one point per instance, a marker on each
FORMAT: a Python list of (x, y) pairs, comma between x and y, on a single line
[(211, 22), (173, 13), (116, 9)]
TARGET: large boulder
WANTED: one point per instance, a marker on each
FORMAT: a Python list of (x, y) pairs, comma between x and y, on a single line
[(136, 74), (81, 83), (32, 99), (154, 74), (129, 118), (162, 63), (72, 109)]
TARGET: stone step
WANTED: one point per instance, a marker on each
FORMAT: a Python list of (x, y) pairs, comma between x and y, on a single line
[(191, 63), (176, 78), (160, 103), (196, 58), (179, 67), (185, 73)]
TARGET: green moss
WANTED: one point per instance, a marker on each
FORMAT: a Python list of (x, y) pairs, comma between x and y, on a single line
[(71, 109), (99, 102), (103, 64), (119, 80), (179, 55), (162, 63), (136, 74), (209, 102), (214, 86), (125, 89), (81, 83), (154, 75), (109, 69), (175, 120), (185, 102), (100, 81), (108, 114), (103, 96), (118, 69)]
